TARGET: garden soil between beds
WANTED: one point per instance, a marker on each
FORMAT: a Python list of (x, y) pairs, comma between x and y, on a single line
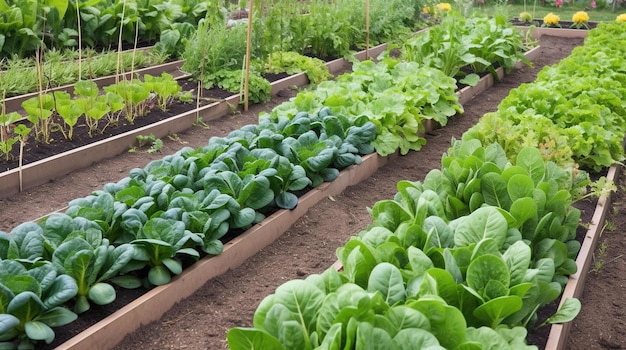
[(202, 320)]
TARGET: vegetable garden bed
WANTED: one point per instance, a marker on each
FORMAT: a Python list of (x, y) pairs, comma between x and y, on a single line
[(39, 172), (331, 197), (49, 169), (151, 306)]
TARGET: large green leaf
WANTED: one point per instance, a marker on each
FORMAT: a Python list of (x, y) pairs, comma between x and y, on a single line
[(530, 159), (494, 190), (447, 322), (496, 310), (250, 339), (484, 270), (370, 337), (517, 257), (387, 279), (36, 330), (415, 338), (301, 300), (404, 317), (486, 222)]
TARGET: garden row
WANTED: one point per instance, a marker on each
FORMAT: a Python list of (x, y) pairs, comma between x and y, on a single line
[(151, 224), (31, 24), (467, 257), (202, 34), (44, 117)]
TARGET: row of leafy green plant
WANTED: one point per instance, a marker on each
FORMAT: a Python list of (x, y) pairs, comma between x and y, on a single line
[(284, 35), (464, 259), (477, 42), (146, 227), (29, 25), (61, 68), (573, 111), (399, 94), (278, 26), (60, 110)]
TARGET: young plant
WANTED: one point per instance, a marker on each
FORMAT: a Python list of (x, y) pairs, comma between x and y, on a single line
[(165, 87), (39, 110), (135, 96), (70, 110), (91, 261), (158, 245), (32, 302)]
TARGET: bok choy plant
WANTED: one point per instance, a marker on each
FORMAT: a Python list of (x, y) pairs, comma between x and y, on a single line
[(31, 304)]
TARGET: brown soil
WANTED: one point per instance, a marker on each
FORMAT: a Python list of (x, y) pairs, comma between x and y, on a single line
[(202, 320)]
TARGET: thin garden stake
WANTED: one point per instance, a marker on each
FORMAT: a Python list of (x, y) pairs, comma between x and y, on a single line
[(80, 45), (367, 29), (132, 62), (119, 45), (247, 61)]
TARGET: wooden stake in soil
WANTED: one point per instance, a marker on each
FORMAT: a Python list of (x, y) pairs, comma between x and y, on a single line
[(119, 46), (247, 60), (367, 29), (80, 45)]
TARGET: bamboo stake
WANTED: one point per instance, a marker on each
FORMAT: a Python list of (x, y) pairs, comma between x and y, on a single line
[(119, 45), (247, 60), (367, 29), (132, 62), (201, 81), (80, 45), (20, 173)]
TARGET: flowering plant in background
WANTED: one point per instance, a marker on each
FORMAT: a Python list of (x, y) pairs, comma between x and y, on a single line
[(444, 6), (426, 10), (621, 18), (526, 17), (580, 20), (551, 20)]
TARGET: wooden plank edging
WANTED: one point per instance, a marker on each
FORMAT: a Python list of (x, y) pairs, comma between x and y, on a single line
[(559, 333)]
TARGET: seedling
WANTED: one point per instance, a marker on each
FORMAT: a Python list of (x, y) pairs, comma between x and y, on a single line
[(155, 144)]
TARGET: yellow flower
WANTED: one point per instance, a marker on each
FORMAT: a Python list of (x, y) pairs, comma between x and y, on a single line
[(621, 18), (580, 17), (525, 17), (444, 6), (426, 9), (551, 19)]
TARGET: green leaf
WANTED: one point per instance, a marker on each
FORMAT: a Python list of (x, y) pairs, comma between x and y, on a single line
[(251, 338), (387, 279), (567, 312), (494, 190), (102, 293), (470, 79), (484, 269), (496, 310), (485, 222), (57, 316), (159, 275), (447, 322), (36, 330), (415, 338), (530, 159), (7, 323)]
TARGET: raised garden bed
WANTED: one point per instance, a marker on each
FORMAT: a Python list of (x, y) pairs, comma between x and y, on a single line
[(153, 304), (54, 167)]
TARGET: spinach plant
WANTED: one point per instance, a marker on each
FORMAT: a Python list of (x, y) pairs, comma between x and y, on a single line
[(91, 261), (32, 303)]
